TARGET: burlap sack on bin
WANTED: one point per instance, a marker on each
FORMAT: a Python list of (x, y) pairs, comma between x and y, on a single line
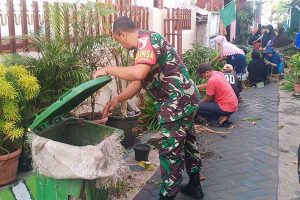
[(63, 161)]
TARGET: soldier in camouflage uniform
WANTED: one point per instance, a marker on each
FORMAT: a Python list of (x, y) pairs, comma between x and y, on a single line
[(160, 71)]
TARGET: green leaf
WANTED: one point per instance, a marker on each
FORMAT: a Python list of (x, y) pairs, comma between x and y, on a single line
[(104, 9)]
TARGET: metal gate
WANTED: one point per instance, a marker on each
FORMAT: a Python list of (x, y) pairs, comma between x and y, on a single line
[(173, 30)]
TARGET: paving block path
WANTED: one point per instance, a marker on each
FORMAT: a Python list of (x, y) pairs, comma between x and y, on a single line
[(244, 164)]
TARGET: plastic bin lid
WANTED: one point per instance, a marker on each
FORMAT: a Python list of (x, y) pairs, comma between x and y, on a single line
[(70, 100)]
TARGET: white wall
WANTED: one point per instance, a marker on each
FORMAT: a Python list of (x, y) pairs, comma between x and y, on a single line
[(147, 3), (207, 32), (202, 36), (176, 3), (156, 23), (156, 20), (189, 36)]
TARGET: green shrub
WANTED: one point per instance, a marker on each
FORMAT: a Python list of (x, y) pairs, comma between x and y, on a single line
[(289, 81), (293, 76), (248, 57), (199, 54), (290, 52)]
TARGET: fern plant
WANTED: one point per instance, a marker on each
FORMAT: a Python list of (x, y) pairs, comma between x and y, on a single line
[(18, 88)]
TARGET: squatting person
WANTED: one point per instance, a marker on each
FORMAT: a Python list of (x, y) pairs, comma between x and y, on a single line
[(220, 101)]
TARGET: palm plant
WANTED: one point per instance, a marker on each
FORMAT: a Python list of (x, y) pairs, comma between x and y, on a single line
[(58, 67), (60, 64)]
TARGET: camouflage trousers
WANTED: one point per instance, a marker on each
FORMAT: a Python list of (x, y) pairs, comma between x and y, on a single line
[(178, 149)]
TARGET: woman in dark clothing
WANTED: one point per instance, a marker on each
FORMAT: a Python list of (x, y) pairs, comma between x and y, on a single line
[(282, 41), (257, 68), (273, 58), (268, 36)]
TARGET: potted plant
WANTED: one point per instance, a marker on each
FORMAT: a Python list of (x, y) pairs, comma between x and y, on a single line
[(126, 115), (292, 78), (18, 87), (297, 86), (98, 55), (58, 67), (295, 62), (95, 52)]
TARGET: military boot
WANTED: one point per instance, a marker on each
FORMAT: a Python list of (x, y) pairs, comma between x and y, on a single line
[(193, 188)]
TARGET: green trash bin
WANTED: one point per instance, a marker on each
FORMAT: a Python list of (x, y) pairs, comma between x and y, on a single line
[(52, 124)]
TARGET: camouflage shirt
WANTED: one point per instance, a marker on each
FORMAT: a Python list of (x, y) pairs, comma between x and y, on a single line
[(174, 93)]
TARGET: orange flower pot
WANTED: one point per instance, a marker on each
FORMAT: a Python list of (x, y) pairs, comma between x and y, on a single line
[(297, 88), (9, 166)]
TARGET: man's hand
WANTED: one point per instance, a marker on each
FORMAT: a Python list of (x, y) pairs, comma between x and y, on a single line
[(201, 87), (110, 105), (99, 72)]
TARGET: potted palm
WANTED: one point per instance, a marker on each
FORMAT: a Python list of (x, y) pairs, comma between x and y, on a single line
[(97, 56), (125, 117), (94, 52), (18, 87)]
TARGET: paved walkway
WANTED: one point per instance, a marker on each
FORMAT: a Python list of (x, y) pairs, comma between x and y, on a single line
[(289, 141), (243, 165)]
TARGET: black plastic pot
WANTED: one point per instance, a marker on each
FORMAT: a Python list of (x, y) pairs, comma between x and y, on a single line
[(25, 159), (141, 152), (126, 124), (25, 162)]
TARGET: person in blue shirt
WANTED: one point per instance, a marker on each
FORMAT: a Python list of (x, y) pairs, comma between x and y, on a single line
[(274, 60), (297, 42)]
